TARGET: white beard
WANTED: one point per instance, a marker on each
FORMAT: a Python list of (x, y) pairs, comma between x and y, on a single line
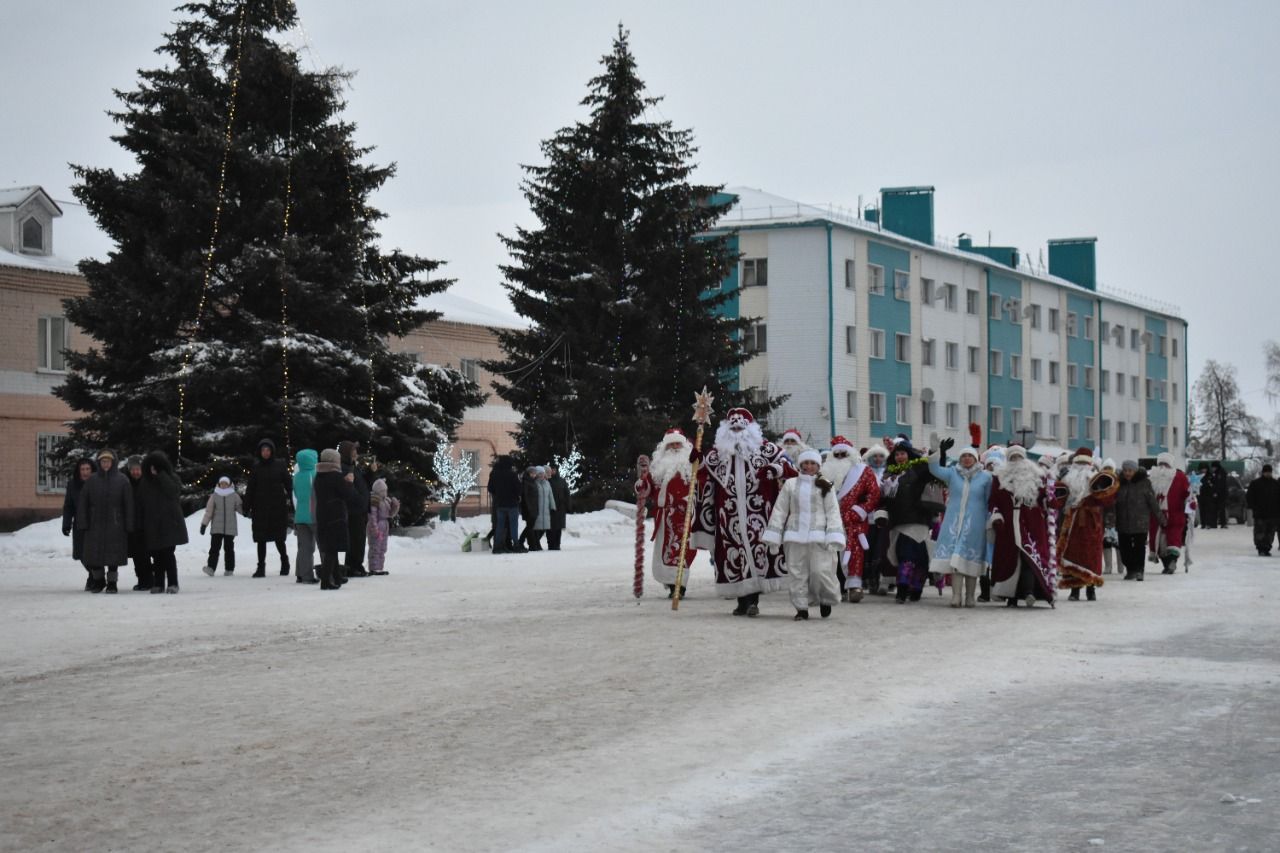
[(1161, 479), (835, 470), (1077, 482), (667, 464), (744, 443), (1023, 479), (794, 450)]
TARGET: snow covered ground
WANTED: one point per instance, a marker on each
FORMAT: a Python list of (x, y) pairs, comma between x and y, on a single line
[(473, 702)]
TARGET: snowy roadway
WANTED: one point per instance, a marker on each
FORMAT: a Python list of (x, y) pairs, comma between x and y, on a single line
[(472, 702)]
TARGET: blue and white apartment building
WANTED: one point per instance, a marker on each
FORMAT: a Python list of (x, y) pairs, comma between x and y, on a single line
[(875, 327)]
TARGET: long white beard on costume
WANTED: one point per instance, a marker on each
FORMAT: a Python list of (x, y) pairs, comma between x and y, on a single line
[(1161, 479), (835, 470), (1077, 482), (667, 464), (746, 442), (1023, 479)]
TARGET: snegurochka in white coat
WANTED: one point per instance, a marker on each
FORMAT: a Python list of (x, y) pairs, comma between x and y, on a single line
[(806, 525), (962, 540)]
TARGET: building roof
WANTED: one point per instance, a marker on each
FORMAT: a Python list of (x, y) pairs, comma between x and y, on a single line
[(13, 197), (459, 309), (75, 236), (757, 208)]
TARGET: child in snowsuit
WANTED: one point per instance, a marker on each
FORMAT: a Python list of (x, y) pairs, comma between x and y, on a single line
[(382, 509), (220, 517), (806, 524)]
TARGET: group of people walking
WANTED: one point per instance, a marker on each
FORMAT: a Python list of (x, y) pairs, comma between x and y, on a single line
[(333, 504), (891, 518), (540, 497)]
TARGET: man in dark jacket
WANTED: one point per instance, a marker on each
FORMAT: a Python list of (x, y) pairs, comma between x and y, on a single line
[(1263, 498), (104, 511), (1219, 476), (530, 505), (1135, 507), (908, 518), (85, 468), (163, 524), (505, 492), (1207, 498), (358, 518), (560, 493), (335, 498), (137, 537), (268, 500)]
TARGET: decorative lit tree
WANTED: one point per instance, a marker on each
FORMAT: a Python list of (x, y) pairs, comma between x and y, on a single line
[(455, 476), (621, 279), (570, 469), (245, 296)]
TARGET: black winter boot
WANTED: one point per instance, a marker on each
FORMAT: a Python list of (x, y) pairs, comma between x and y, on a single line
[(1091, 594), (111, 587), (261, 572), (824, 610), (1074, 596), (801, 616)]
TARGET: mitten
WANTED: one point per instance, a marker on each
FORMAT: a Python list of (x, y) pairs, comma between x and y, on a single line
[(203, 528), (66, 531)]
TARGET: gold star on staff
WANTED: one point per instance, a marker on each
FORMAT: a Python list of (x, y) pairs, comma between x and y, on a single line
[(702, 406)]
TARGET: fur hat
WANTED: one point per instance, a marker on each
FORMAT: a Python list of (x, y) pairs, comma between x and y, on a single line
[(1083, 455), (1013, 450), (741, 413), (875, 450), (794, 435), (841, 443), (1109, 464), (810, 455), (674, 436), (993, 455), (1166, 458), (380, 487)]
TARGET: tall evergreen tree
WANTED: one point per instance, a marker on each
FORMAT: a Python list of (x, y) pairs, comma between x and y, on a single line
[(621, 281), (246, 261)]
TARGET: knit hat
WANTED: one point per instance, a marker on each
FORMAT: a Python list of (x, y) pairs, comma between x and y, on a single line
[(1109, 464), (1128, 465), (106, 453), (380, 487), (330, 455), (224, 479), (810, 455), (132, 461)]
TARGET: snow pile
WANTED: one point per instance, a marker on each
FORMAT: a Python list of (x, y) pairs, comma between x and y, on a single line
[(584, 529)]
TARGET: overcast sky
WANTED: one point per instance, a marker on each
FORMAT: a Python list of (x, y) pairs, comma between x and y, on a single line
[(1150, 125)]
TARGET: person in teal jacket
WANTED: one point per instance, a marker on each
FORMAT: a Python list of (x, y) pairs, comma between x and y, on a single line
[(303, 520), (962, 540)]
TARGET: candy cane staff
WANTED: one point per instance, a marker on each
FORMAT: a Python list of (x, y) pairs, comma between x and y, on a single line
[(643, 490)]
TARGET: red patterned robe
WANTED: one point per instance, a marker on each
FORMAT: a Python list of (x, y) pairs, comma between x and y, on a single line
[(1169, 540), (735, 499), (859, 496), (670, 506), (1080, 539), (1024, 540)]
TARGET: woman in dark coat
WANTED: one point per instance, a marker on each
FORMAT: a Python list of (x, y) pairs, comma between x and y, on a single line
[(137, 536), (334, 500), (268, 500), (559, 512), (160, 498), (84, 470), (104, 511), (1135, 506)]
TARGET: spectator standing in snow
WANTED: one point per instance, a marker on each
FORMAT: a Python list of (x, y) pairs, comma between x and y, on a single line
[(529, 507), (268, 497), (505, 491), (159, 498), (104, 511), (1263, 498), (1219, 476), (539, 505), (137, 538), (334, 499), (220, 519), (303, 517), (1136, 506), (382, 508), (559, 507), (358, 519), (1207, 499), (84, 470)]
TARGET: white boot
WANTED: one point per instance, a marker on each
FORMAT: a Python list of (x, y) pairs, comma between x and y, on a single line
[(957, 590), (970, 586)]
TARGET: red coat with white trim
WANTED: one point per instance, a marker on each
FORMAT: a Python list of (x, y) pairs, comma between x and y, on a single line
[(859, 497)]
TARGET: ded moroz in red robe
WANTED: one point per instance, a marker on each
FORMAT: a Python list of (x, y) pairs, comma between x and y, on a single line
[(859, 496), (1080, 536), (670, 506), (1024, 540), (1173, 491)]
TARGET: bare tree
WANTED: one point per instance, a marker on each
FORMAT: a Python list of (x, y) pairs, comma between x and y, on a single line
[(1224, 421), (1272, 350)]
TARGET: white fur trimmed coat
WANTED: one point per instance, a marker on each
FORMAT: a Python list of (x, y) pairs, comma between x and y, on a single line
[(803, 515)]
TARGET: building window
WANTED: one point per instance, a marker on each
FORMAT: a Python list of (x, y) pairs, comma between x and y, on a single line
[(1088, 327), (953, 415), (1104, 331), (1088, 429), (875, 280), (1053, 320), (973, 415), (950, 291), (851, 405), (1117, 334), (877, 343), (1073, 376), (1133, 387), (1037, 422), (1036, 371), (755, 272), (926, 412), (1175, 439), (1135, 340), (32, 236), (1173, 351), (901, 287), (1055, 425), (756, 339), (971, 302), (1151, 434), (850, 340), (1015, 419), (50, 476), (1015, 366), (973, 359), (903, 409), (1105, 376), (1088, 377), (1120, 431), (995, 422), (51, 340), (1105, 425), (1014, 307), (1053, 373), (993, 306), (470, 369), (1073, 427), (926, 351), (926, 292), (875, 407), (849, 268), (1151, 390), (953, 356), (1134, 432), (1035, 316), (1162, 348), (1175, 393), (1119, 383), (1163, 389), (902, 350), (997, 363), (1071, 324)]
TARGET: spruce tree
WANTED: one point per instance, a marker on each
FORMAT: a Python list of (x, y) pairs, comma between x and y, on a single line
[(242, 153), (621, 281)]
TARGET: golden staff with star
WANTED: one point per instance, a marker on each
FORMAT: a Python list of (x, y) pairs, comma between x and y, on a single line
[(701, 416)]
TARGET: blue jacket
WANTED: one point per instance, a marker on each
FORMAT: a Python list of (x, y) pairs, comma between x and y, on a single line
[(962, 539), (303, 477)]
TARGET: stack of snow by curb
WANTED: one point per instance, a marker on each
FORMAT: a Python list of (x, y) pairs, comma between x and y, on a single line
[(583, 529)]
